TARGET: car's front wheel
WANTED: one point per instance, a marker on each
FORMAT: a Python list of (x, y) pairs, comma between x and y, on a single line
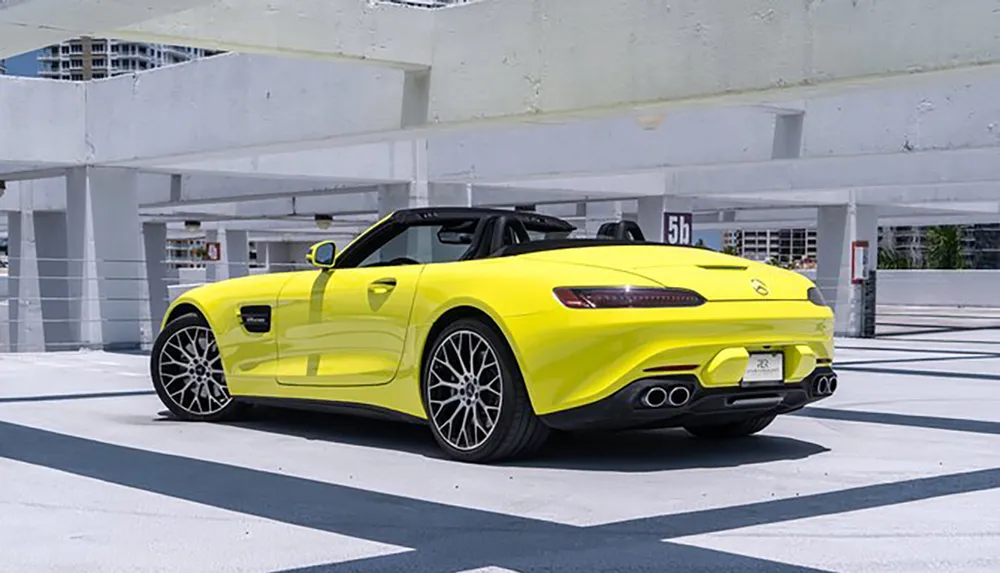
[(475, 398), (187, 372), (732, 429)]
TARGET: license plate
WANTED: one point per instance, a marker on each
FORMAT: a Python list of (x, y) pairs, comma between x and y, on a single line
[(764, 368)]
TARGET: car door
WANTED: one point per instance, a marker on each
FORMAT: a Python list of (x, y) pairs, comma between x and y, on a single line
[(344, 327), (347, 326)]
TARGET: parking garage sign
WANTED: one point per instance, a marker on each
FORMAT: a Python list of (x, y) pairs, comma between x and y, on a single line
[(677, 228)]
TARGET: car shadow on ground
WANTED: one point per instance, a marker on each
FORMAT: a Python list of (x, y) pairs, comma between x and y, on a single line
[(634, 451)]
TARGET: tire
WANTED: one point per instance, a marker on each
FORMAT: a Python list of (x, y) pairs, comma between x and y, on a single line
[(732, 429), (193, 389), (502, 424)]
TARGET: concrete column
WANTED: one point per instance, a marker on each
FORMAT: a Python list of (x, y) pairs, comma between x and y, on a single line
[(24, 311), (279, 257), (159, 274), (52, 248), (234, 254), (106, 256), (420, 187), (214, 270), (652, 209), (651, 217), (837, 227)]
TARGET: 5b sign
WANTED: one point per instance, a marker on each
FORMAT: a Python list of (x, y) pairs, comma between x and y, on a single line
[(677, 228)]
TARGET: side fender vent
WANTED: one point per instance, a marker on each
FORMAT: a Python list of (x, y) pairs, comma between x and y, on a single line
[(256, 319)]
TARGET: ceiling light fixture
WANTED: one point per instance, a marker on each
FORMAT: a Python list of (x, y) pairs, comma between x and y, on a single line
[(323, 222)]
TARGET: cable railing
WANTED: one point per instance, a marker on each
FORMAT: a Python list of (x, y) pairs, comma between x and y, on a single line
[(55, 304), (58, 304)]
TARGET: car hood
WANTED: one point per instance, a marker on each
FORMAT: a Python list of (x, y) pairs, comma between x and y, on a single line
[(716, 276)]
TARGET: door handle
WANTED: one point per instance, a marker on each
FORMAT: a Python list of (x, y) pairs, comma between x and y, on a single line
[(382, 286)]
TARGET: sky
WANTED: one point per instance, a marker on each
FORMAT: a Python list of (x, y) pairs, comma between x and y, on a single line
[(23, 65), (713, 239)]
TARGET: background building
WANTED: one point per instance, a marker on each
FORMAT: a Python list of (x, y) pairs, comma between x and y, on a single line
[(87, 58), (788, 247)]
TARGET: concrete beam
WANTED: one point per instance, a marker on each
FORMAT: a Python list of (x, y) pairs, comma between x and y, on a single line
[(526, 61), (843, 172), (271, 208), (607, 145), (348, 29), (42, 122), (946, 110), (182, 113), (162, 190), (377, 162)]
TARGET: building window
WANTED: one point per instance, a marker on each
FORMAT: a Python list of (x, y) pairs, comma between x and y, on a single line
[(77, 77), (100, 62)]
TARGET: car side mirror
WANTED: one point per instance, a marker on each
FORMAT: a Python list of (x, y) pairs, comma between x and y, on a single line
[(321, 254)]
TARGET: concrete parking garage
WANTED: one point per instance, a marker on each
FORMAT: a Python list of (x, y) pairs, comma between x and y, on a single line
[(752, 114)]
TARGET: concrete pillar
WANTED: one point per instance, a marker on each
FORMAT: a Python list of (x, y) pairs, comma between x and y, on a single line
[(52, 248), (651, 216), (234, 254), (106, 256), (159, 274), (652, 210), (285, 256), (279, 257), (838, 226), (24, 311)]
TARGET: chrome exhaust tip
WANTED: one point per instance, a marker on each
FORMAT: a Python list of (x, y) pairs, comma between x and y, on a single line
[(823, 385), (831, 385), (655, 397), (679, 396)]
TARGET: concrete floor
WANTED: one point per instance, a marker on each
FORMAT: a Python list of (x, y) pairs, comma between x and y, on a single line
[(900, 471)]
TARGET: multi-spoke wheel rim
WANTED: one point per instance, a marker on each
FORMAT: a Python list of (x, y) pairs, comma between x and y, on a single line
[(191, 372), (464, 390)]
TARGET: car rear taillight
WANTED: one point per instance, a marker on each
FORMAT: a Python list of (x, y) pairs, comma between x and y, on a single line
[(627, 297), (815, 296)]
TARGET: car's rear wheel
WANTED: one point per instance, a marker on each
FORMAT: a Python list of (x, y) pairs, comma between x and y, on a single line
[(732, 429), (475, 398), (187, 372)]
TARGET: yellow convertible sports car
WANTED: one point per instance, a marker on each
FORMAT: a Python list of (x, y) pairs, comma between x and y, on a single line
[(497, 327)]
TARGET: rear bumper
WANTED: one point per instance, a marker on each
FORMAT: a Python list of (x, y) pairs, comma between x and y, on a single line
[(625, 409)]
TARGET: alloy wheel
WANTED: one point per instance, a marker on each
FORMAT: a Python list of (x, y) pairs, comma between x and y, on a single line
[(464, 390), (190, 368)]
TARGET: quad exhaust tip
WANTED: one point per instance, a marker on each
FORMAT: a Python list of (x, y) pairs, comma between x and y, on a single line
[(679, 396), (657, 397), (826, 385)]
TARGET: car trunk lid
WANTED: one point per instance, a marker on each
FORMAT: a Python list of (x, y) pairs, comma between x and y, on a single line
[(715, 276)]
